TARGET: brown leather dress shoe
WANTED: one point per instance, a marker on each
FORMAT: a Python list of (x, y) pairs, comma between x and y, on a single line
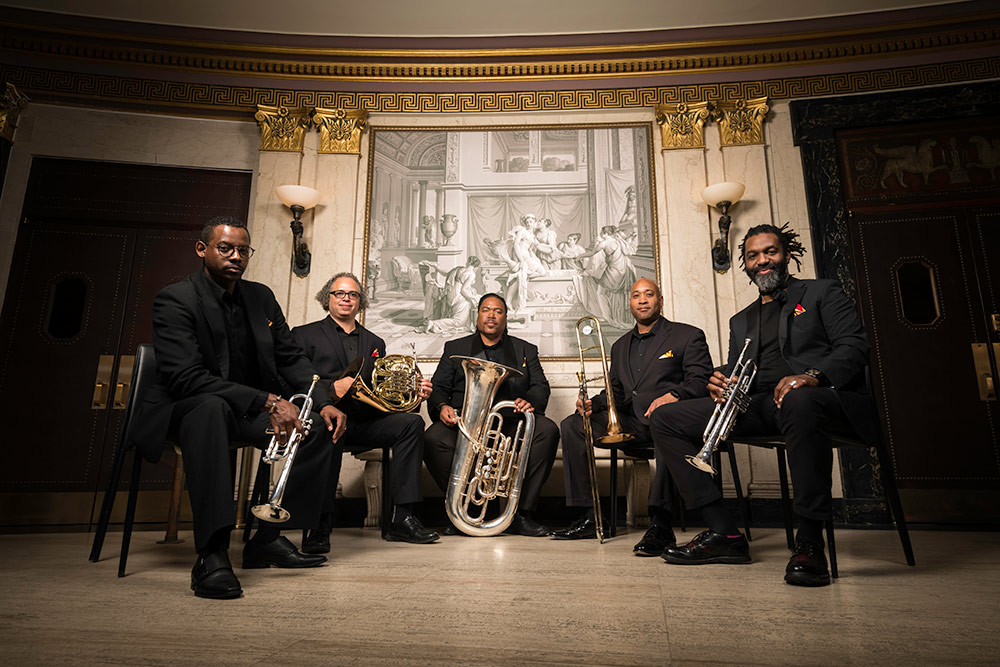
[(656, 539), (279, 553), (212, 577), (807, 566), (710, 547)]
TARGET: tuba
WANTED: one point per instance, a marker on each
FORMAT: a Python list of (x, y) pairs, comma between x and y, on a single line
[(736, 401), (587, 326), (488, 464), (273, 511), (395, 383)]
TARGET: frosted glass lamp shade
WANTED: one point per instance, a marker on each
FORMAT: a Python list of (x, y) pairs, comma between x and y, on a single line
[(297, 195), (730, 191)]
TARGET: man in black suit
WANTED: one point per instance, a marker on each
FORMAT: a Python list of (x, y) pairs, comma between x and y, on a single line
[(224, 358), (530, 391), (333, 343), (811, 352), (657, 363)]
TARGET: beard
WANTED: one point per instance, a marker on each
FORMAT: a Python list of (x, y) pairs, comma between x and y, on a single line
[(769, 283)]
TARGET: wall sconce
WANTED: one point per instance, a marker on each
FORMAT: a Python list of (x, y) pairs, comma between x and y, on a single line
[(722, 196), (300, 199)]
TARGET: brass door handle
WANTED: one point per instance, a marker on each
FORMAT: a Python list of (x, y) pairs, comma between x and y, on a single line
[(125, 367), (102, 383), (984, 374)]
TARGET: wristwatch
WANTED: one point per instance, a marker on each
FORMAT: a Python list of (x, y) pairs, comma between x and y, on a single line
[(676, 394), (816, 373)]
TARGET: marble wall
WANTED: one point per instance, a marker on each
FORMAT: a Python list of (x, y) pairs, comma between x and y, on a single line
[(335, 229)]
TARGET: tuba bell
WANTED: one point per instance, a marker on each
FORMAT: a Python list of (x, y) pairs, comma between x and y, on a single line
[(488, 465), (394, 387)]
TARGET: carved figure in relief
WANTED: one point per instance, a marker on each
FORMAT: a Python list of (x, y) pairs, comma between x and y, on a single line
[(908, 159), (570, 251), (989, 153), (545, 244)]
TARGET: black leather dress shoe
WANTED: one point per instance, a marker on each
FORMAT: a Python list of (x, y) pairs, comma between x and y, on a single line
[(409, 529), (318, 539), (213, 577), (583, 528), (656, 539), (710, 547), (279, 553), (807, 566), (522, 525)]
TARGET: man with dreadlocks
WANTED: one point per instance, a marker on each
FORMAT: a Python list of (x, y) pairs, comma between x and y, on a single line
[(811, 352)]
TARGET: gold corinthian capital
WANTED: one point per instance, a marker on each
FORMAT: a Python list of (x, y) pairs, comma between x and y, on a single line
[(10, 107), (682, 125), (741, 122), (282, 128), (340, 129)]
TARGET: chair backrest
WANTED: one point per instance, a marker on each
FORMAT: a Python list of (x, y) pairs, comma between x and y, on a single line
[(143, 377)]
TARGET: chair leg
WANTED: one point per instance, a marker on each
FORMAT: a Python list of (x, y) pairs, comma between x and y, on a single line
[(176, 493), (831, 547), (895, 505), (786, 500), (743, 503), (260, 488), (386, 490), (133, 494), (612, 528), (104, 518)]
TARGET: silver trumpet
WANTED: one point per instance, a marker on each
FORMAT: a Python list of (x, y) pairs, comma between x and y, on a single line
[(488, 465), (736, 400), (272, 511)]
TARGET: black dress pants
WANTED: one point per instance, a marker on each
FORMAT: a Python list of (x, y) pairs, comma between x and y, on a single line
[(439, 452), (576, 472), (806, 420), (404, 432), (204, 426)]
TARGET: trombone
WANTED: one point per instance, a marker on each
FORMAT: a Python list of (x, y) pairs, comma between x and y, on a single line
[(588, 326)]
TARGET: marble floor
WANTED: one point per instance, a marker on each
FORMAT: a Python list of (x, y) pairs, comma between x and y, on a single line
[(506, 600)]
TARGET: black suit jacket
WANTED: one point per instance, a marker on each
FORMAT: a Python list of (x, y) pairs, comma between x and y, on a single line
[(449, 378), (679, 361), (192, 355), (819, 328), (322, 344)]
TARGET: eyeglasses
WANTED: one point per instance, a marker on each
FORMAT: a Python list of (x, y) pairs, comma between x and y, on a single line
[(227, 250), (340, 294)]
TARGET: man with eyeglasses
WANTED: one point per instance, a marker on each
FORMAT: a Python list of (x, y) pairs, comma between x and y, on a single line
[(224, 359), (334, 343), (529, 391)]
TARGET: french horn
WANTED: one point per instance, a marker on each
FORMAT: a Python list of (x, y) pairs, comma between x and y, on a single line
[(394, 385)]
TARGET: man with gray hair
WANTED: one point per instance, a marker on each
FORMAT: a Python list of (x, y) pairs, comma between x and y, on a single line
[(335, 343)]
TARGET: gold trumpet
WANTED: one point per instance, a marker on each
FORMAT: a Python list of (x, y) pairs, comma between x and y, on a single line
[(588, 326), (395, 383)]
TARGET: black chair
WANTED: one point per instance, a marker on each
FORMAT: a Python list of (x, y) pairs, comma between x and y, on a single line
[(143, 376), (777, 443)]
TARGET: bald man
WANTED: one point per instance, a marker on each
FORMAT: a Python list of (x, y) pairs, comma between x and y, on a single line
[(657, 363)]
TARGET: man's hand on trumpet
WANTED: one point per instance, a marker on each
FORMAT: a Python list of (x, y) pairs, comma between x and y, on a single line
[(284, 417), (717, 385)]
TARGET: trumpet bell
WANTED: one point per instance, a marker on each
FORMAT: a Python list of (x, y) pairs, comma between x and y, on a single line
[(271, 513), (700, 464)]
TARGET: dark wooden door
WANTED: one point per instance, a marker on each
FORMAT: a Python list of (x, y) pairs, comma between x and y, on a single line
[(921, 292), (925, 242), (97, 241)]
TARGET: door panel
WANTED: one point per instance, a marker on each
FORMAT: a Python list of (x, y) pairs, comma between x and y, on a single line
[(920, 295), (65, 313)]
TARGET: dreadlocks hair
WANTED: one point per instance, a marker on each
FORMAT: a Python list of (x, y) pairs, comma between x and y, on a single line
[(790, 243)]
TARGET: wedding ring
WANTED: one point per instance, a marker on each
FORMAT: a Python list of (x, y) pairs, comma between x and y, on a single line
[(793, 382)]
